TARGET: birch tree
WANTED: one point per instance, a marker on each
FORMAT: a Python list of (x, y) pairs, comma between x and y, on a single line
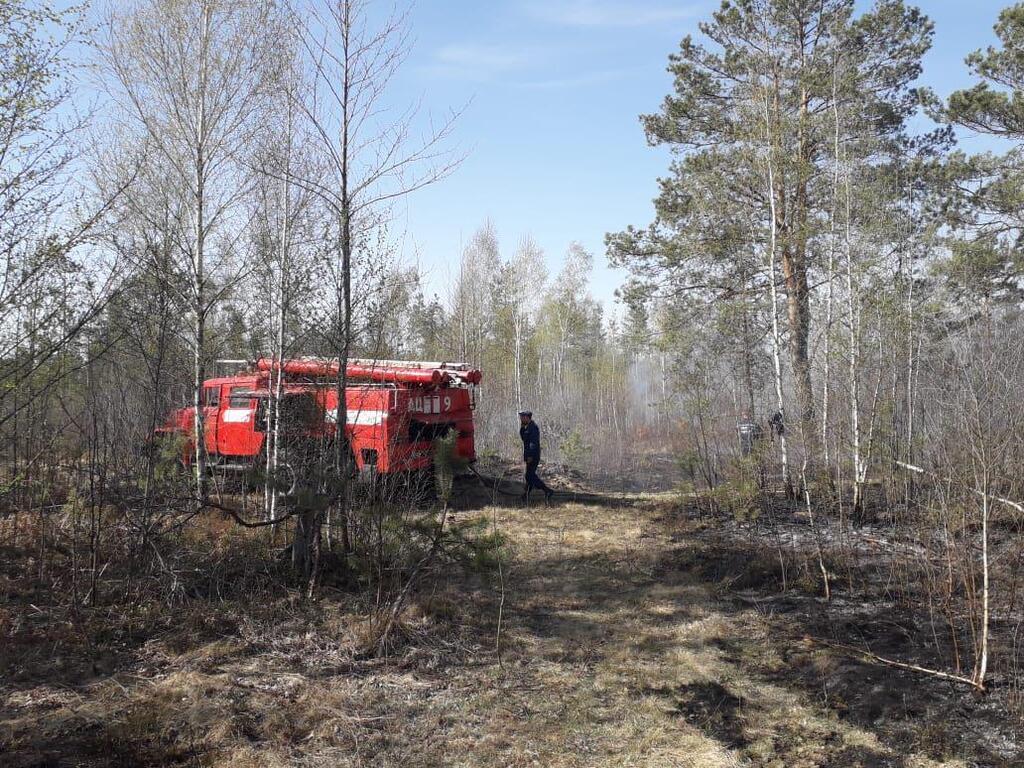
[(770, 170), (186, 75), (526, 275), (370, 159), (471, 296), (288, 219), (52, 283)]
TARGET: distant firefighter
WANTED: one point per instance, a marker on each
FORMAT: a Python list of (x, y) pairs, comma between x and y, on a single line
[(750, 433), (530, 434)]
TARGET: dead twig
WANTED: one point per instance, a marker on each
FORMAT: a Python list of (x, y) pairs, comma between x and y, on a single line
[(870, 656), (982, 494)]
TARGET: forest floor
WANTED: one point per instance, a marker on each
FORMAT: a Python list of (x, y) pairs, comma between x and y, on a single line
[(626, 638)]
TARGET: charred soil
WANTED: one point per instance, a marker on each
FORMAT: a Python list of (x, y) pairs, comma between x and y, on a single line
[(619, 631)]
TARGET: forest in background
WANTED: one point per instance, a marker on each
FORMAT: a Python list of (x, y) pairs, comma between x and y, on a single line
[(823, 263)]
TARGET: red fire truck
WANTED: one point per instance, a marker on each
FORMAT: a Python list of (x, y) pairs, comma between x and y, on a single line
[(393, 411)]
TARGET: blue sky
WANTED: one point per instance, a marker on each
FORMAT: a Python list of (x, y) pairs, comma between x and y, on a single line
[(554, 89)]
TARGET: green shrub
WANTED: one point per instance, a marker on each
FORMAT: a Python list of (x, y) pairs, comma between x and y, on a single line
[(447, 464), (575, 451)]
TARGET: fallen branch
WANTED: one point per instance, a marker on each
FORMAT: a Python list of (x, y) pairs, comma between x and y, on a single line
[(898, 664), (1000, 499), (249, 523)]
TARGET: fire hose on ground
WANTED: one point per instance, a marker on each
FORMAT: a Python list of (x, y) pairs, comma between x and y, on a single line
[(492, 484), (495, 488)]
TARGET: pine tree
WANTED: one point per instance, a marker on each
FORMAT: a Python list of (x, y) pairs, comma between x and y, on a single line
[(986, 263), (759, 93)]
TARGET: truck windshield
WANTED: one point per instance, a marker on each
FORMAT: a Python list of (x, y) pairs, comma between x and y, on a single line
[(239, 397)]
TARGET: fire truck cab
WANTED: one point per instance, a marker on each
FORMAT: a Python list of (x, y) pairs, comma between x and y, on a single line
[(393, 411)]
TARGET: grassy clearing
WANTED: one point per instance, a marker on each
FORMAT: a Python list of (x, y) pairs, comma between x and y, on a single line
[(611, 653)]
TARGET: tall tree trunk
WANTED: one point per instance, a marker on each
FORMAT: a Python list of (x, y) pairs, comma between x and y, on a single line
[(772, 281), (519, 360), (748, 351), (283, 296), (274, 434), (199, 258), (830, 299), (854, 338), (982, 666)]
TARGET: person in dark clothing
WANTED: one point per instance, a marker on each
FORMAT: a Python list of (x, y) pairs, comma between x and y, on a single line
[(750, 433), (530, 434)]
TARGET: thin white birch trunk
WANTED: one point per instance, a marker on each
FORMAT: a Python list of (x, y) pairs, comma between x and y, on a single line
[(829, 301), (853, 321), (199, 257), (284, 235), (979, 677), (519, 360), (772, 281)]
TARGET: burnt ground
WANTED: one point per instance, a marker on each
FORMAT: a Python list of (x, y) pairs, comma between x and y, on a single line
[(630, 634), (816, 643)]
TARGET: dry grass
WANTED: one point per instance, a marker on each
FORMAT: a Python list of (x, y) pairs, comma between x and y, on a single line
[(607, 658)]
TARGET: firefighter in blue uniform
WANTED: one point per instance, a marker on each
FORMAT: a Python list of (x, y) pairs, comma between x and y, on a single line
[(530, 434)]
